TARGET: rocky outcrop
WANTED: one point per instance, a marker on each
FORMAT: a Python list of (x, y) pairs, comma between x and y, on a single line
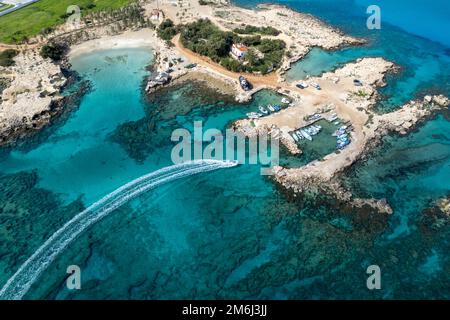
[(32, 96), (444, 206), (409, 116), (318, 173), (301, 32)]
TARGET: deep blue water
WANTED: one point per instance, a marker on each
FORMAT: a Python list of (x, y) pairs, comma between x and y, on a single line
[(231, 233)]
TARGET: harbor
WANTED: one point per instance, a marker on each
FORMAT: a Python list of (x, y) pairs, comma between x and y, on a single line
[(362, 176)]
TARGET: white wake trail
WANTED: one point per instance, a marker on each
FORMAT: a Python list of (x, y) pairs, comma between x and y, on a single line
[(19, 284)]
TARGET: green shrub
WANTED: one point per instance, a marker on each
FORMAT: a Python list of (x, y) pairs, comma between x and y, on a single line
[(232, 64), (248, 29), (206, 39), (29, 21), (6, 57), (167, 30), (53, 51)]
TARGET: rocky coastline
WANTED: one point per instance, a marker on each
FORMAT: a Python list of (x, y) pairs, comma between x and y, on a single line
[(299, 180), (31, 89), (33, 95)]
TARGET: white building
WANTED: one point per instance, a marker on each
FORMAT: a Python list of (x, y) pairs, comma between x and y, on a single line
[(239, 51), (157, 15)]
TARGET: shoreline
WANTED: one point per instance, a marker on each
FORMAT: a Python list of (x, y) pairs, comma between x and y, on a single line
[(339, 94), (144, 38), (207, 79)]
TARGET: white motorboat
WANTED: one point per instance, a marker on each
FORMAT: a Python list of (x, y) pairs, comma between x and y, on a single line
[(306, 135), (263, 110)]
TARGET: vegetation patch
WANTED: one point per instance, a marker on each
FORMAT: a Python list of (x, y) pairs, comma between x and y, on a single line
[(42, 16), (53, 51), (361, 93), (204, 38), (267, 31), (4, 83), (7, 57), (205, 2), (167, 30)]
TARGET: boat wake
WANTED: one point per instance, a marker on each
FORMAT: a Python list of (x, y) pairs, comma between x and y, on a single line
[(19, 284)]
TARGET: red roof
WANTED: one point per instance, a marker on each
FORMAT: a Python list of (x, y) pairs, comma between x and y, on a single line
[(240, 47)]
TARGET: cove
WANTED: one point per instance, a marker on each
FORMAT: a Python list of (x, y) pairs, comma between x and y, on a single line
[(223, 235)]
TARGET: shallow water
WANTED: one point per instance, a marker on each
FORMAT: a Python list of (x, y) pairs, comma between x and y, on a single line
[(225, 234)]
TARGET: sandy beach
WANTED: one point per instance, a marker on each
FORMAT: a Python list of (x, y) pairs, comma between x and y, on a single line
[(130, 39)]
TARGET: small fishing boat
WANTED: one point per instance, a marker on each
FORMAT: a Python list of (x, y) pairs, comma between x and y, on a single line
[(285, 101), (263, 110), (270, 107), (336, 123), (253, 115), (302, 85), (294, 136), (342, 144), (315, 85), (332, 118), (339, 132), (299, 135), (276, 108), (312, 130), (306, 135), (315, 117), (191, 66)]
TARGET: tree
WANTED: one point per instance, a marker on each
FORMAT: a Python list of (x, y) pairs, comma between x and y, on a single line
[(7, 57), (167, 30), (53, 51)]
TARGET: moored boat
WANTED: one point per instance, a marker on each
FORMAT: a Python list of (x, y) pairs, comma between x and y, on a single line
[(302, 85), (333, 117), (305, 135), (315, 85), (342, 144), (253, 115), (315, 117), (263, 110)]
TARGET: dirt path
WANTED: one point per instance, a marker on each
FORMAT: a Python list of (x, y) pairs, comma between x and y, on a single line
[(18, 47)]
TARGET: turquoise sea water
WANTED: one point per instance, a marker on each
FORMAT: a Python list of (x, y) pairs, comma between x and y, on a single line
[(231, 233)]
